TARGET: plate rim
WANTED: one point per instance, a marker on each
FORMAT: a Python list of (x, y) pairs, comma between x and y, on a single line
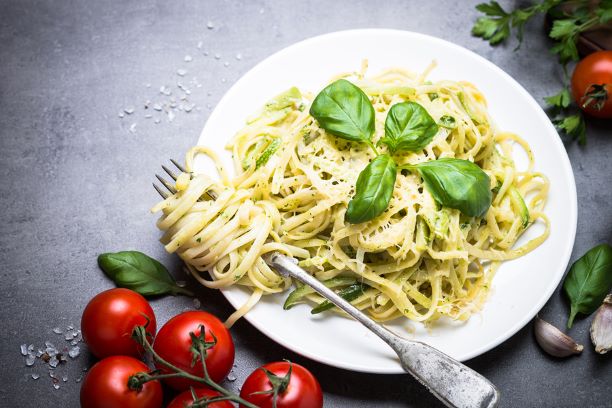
[(558, 145)]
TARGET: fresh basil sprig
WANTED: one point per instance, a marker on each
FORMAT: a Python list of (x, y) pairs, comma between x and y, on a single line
[(589, 281), (374, 190), (408, 127), (456, 183), (140, 273), (345, 111)]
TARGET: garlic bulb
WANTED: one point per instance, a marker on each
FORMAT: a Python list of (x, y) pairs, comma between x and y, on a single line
[(601, 328), (554, 341)]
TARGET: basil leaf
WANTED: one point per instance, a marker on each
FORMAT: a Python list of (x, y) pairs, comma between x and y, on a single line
[(345, 111), (408, 127), (373, 190), (140, 273), (457, 183), (448, 121), (589, 281)]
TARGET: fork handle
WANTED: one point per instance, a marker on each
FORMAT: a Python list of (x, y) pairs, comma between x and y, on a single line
[(454, 383)]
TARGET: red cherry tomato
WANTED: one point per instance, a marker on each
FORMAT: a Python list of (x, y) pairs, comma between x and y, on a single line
[(105, 386), (592, 84), (185, 398), (110, 317), (173, 344), (303, 390)]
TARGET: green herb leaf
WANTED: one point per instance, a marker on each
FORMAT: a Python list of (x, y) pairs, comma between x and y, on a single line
[(408, 127), (343, 110), (298, 294), (374, 190), (140, 273), (573, 126), (349, 294), (457, 183), (561, 100), (448, 122), (589, 281), (494, 28), (268, 152)]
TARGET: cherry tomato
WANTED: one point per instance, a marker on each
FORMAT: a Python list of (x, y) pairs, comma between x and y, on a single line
[(592, 84), (185, 398), (105, 386), (110, 317), (302, 391), (173, 344)]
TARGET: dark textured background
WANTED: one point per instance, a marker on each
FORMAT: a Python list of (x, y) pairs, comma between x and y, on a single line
[(76, 181)]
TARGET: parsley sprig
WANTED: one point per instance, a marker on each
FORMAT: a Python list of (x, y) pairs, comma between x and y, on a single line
[(571, 18)]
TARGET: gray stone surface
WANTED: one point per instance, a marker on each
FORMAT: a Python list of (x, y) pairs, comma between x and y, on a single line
[(76, 181)]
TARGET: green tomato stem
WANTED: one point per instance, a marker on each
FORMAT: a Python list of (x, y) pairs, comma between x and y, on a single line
[(178, 372)]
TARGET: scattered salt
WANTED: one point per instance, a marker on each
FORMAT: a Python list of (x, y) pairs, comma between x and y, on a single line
[(78, 379), (196, 303), (74, 352), (35, 376), (205, 53), (217, 56), (53, 362), (188, 58), (129, 110), (157, 107), (223, 80), (121, 115), (226, 64), (57, 330), (29, 360), (231, 376), (171, 116), (179, 283), (65, 378), (157, 121), (210, 25), (70, 327), (24, 349), (56, 386), (132, 128), (165, 90), (200, 44), (239, 56), (189, 107), (181, 72), (69, 336), (148, 116)]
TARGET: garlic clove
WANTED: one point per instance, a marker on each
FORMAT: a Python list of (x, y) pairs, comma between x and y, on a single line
[(554, 341), (601, 327)]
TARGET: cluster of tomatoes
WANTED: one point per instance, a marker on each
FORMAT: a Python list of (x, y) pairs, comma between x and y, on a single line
[(107, 325)]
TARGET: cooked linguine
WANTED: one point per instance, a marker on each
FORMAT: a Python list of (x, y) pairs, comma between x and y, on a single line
[(293, 182)]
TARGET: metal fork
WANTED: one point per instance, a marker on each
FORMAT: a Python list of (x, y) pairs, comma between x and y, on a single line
[(452, 382)]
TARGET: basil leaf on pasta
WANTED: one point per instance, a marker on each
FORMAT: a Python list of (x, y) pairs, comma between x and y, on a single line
[(408, 127), (343, 110)]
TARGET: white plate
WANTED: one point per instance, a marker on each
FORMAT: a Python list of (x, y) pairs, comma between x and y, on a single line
[(521, 286)]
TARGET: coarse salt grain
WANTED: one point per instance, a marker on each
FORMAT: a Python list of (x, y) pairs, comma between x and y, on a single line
[(188, 58), (24, 349), (57, 330), (181, 72), (35, 376), (74, 352), (210, 25)]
